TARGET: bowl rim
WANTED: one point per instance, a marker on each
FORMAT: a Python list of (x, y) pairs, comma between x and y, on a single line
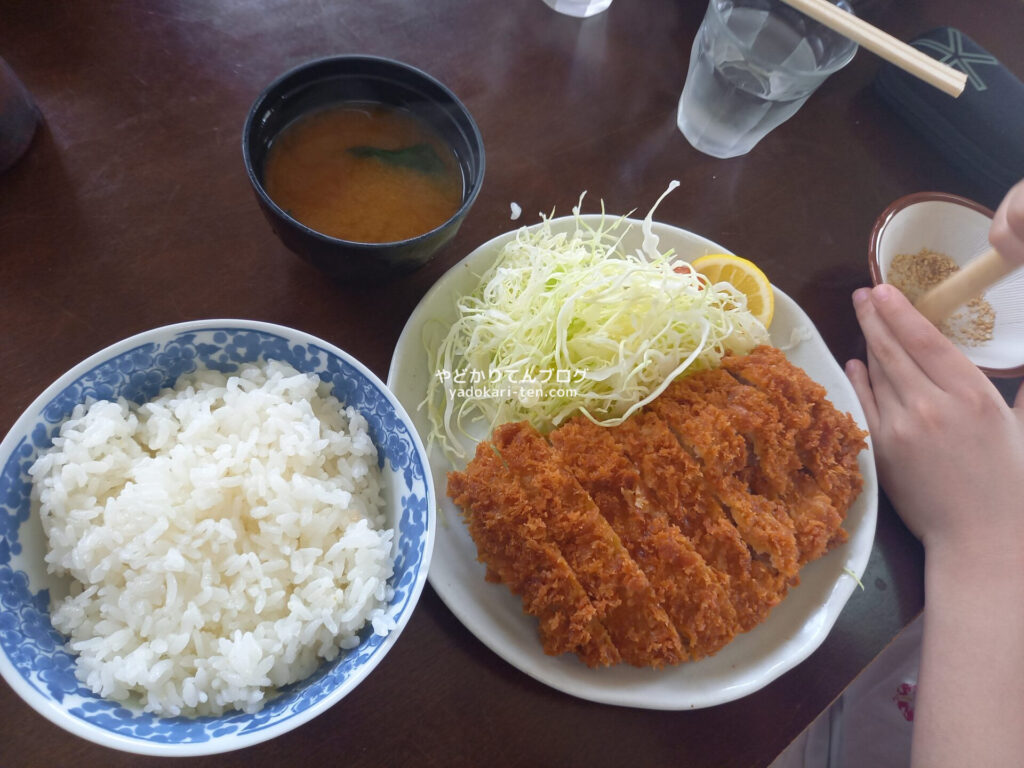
[(932, 196), (57, 714), (475, 138)]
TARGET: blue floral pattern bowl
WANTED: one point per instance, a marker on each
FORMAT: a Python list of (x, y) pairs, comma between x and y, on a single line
[(33, 657)]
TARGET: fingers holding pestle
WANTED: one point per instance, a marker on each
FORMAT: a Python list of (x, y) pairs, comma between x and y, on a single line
[(1006, 236)]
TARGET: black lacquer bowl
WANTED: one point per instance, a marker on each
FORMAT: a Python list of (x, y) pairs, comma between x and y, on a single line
[(323, 82)]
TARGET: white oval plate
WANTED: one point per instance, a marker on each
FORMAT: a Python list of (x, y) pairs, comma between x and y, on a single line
[(794, 629)]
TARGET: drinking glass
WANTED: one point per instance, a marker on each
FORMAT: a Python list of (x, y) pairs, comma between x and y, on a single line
[(753, 65), (581, 8)]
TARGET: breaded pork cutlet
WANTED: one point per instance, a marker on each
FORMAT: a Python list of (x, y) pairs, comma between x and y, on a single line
[(659, 539), (673, 483), (622, 594), (762, 452), (827, 441), (710, 434), (703, 429), (778, 472), (513, 542), (694, 595), (773, 469)]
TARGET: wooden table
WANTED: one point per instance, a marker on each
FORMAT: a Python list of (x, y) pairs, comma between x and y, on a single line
[(132, 210)]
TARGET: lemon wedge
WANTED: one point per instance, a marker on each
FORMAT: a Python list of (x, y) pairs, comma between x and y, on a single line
[(745, 277)]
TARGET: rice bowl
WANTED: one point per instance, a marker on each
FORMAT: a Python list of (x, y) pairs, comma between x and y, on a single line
[(33, 657)]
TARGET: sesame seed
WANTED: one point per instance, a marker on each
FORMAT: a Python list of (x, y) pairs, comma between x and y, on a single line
[(915, 274)]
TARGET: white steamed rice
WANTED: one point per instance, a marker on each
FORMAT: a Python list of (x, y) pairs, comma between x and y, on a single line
[(222, 539)]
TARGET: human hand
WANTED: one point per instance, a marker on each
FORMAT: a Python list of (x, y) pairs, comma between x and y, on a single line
[(1006, 234), (950, 452)]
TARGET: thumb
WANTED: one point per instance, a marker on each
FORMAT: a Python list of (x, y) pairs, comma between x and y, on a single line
[(1007, 230)]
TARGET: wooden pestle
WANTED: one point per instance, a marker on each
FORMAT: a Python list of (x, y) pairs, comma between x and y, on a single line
[(965, 284)]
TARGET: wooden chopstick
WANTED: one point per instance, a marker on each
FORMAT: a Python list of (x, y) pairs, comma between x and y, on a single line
[(904, 56)]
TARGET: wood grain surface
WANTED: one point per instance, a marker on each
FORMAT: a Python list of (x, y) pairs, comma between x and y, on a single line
[(132, 210)]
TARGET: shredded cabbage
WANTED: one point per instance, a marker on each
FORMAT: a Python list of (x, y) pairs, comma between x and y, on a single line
[(567, 321)]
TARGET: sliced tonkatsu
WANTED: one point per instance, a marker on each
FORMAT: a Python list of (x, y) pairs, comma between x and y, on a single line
[(513, 542), (618, 588), (658, 540), (827, 442), (673, 481), (694, 595)]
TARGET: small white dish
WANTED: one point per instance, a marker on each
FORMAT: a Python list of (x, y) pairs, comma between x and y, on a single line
[(793, 630), (957, 227)]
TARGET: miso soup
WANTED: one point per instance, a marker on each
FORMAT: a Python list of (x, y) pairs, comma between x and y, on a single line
[(369, 173)]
